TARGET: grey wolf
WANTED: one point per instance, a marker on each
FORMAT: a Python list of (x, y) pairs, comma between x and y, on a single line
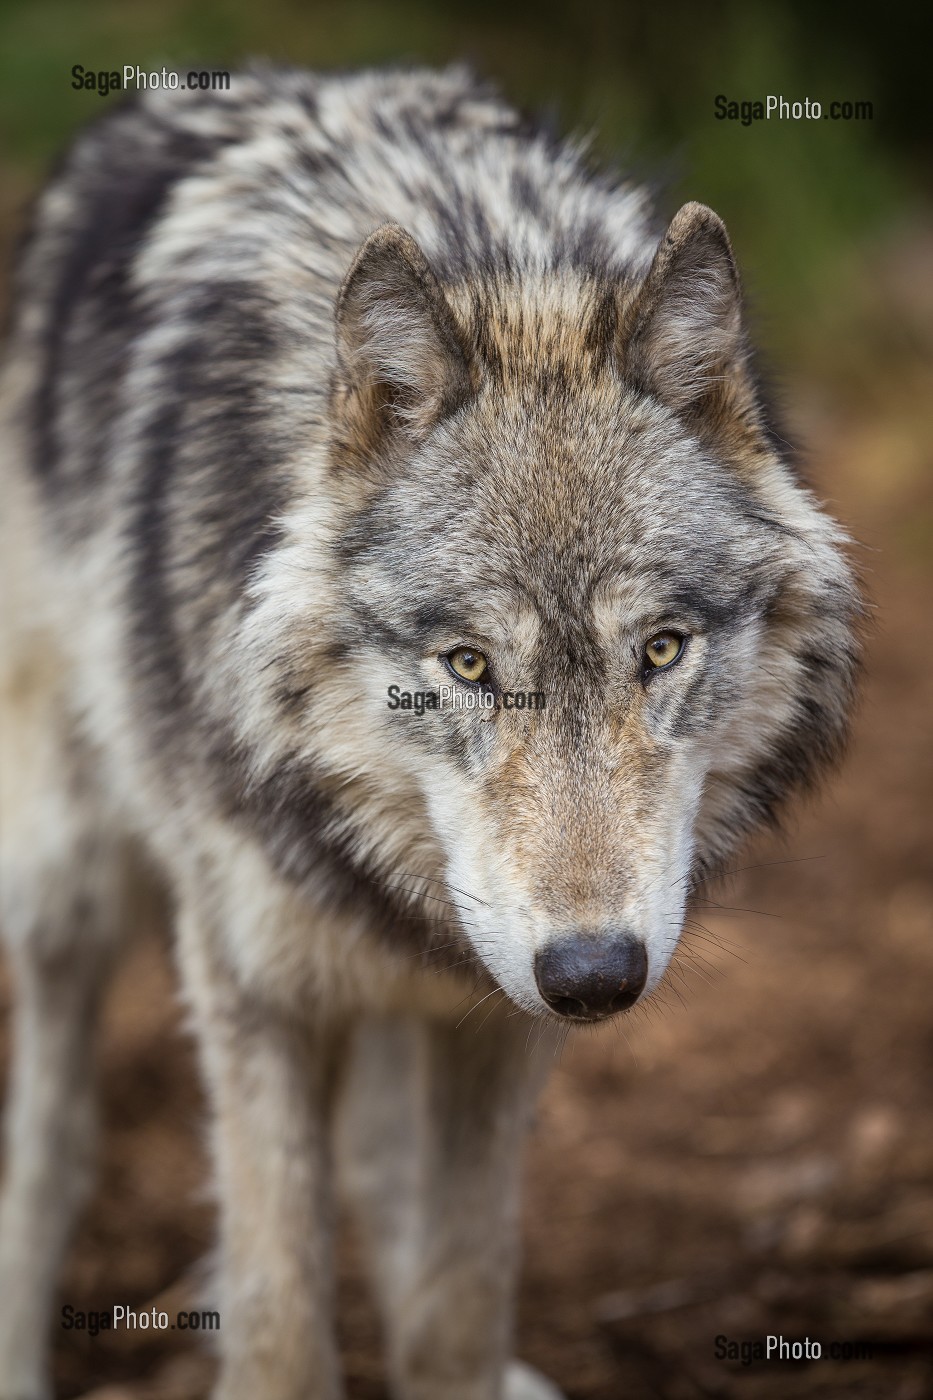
[(317, 387)]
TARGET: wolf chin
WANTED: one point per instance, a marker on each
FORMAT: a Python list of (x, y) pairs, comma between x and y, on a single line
[(317, 387)]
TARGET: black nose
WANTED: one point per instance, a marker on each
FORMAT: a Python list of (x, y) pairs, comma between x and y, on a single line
[(588, 976)]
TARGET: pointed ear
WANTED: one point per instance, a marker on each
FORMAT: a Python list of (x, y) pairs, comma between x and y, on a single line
[(401, 361), (682, 332)]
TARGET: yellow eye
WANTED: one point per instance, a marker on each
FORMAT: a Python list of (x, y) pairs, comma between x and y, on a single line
[(663, 649), (467, 663)]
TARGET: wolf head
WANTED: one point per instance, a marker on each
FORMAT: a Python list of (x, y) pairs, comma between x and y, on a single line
[(557, 482)]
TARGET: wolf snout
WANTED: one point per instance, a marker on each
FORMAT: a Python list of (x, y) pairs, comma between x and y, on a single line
[(588, 976)]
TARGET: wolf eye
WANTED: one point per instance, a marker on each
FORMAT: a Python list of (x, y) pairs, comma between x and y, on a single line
[(467, 663), (663, 650)]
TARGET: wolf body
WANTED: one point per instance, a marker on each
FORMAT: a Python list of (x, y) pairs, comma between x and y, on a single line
[(318, 387)]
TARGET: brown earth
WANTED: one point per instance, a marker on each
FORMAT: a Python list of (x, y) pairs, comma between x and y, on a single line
[(753, 1156)]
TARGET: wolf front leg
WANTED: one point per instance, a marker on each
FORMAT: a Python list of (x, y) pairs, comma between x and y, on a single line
[(453, 1333), (268, 1078), (384, 1131), (49, 1147), (67, 905)]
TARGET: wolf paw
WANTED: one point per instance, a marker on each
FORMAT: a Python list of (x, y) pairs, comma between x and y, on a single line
[(525, 1383)]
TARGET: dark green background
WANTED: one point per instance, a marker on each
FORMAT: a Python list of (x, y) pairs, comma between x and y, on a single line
[(807, 202)]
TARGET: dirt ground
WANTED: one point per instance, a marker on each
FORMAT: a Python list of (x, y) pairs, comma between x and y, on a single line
[(753, 1156)]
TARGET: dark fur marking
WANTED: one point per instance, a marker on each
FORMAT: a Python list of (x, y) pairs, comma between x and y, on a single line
[(525, 194), (406, 637), (713, 611), (156, 646), (217, 451), (433, 617), (305, 836), (318, 163), (121, 192)]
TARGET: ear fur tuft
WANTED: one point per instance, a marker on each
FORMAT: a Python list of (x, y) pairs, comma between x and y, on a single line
[(682, 331), (400, 355)]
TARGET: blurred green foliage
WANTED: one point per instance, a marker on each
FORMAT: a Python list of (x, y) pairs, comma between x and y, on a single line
[(803, 199)]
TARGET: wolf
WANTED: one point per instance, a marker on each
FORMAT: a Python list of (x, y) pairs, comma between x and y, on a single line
[(318, 387)]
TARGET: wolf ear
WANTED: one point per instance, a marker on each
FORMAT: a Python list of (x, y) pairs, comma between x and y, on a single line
[(682, 331), (401, 362)]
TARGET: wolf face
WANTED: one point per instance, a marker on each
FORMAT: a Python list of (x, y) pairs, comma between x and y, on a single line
[(566, 486)]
